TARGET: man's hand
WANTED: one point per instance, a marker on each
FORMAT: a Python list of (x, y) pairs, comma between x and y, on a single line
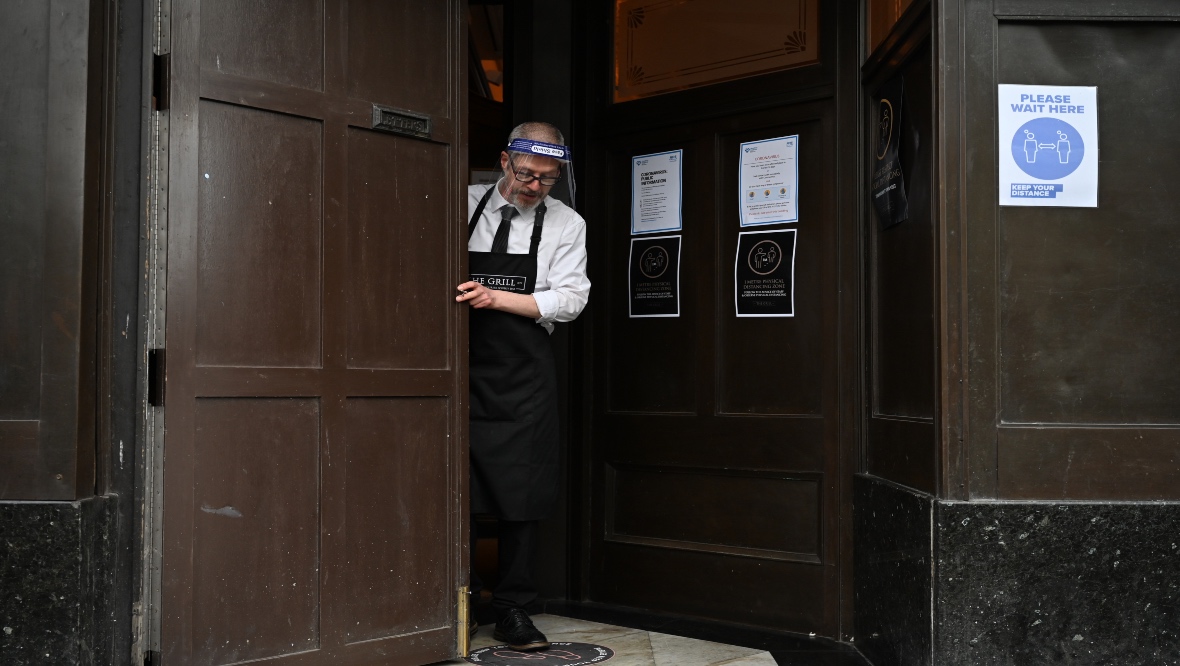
[(478, 296)]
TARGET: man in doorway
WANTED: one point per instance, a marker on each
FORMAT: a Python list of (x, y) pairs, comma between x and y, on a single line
[(528, 270)]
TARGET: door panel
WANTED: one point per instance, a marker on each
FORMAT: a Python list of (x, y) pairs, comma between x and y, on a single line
[(901, 436), (395, 589), (777, 366), (394, 56), (315, 457), (765, 515), (258, 234), (256, 494), (280, 41), (719, 446), (49, 255), (386, 285)]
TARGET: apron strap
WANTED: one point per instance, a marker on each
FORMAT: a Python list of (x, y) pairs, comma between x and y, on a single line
[(479, 211), (538, 222)]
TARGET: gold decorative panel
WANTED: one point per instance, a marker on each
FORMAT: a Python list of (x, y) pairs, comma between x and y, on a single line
[(666, 45), (882, 16)]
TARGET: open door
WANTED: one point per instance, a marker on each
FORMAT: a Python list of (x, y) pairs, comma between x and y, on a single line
[(315, 461)]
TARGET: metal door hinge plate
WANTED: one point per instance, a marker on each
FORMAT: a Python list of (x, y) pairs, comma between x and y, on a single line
[(157, 374), (464, 623), (161, 81)]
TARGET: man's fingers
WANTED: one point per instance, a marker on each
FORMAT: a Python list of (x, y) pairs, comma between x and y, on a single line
[(475, 294), (482, 299), (468, 291)]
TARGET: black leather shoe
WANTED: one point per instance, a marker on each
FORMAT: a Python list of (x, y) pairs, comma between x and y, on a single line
[(517, 631), (472, 628)]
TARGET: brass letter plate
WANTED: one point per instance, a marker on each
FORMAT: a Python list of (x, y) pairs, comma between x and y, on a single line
[(397, 121)]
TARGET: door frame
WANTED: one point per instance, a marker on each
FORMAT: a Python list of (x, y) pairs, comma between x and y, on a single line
[(153, 302)]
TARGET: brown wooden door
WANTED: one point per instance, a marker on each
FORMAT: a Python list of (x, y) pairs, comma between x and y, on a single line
[(315, 456), (721, 449), (717, 436)]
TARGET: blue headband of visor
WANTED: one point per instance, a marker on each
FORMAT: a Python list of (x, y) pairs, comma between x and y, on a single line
[(530, 147)]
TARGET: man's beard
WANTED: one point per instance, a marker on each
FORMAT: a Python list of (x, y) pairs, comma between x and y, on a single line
[(522, 204)]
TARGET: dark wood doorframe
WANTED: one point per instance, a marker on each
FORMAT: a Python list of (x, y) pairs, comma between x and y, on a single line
[(597, 121)]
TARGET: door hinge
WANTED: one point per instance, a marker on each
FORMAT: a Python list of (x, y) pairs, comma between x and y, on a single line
[(464, 623), (151, 658), (157, 374), (161, 81)]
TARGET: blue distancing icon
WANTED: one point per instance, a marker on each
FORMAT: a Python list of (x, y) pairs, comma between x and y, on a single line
[(1048, 148)]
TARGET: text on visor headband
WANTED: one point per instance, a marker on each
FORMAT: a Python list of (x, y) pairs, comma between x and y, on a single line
[(530, 147)]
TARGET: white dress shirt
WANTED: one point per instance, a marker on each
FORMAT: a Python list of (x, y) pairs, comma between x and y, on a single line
[(562, 286)]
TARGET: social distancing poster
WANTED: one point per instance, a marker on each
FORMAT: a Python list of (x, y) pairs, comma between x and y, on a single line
[(1048, 146)]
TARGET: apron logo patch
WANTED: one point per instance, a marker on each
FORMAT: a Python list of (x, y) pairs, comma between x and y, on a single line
[(515, 283)]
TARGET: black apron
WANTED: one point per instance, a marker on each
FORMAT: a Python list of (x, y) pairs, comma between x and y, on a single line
[(514, 450)]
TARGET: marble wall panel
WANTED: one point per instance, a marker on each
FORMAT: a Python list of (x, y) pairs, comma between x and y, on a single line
[(996, 583), (56, 567), (1057, 583), (891, 563)]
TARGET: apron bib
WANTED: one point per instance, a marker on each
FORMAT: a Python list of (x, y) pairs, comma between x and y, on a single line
[(514, 429)]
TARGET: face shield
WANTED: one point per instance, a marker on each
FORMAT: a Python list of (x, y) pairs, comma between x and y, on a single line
[(528, 158)]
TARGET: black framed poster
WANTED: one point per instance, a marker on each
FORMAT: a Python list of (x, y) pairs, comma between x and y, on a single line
[(888, 183), (654, 277), (764, 274)]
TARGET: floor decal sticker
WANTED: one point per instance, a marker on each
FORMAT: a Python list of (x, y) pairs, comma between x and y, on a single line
[(566, 654)]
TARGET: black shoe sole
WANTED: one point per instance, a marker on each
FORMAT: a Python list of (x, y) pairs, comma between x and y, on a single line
[(526, 647)]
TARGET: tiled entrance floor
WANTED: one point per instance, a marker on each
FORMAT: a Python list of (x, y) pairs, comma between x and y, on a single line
[(643, 647)]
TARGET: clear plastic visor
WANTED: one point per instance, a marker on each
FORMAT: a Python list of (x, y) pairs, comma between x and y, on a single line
[(537, 159)]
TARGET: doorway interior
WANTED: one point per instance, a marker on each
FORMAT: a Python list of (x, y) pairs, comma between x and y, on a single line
[(708, 458)]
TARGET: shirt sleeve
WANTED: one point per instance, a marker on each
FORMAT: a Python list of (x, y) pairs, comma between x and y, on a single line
[(569, 287)]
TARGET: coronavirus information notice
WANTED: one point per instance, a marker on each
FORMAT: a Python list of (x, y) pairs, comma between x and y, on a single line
[(768, 181), (1048, 148), (656, 194)]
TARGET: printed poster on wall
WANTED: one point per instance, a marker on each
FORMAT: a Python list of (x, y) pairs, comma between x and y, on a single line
[(764, 274), (654, 277), (1048, 150), (656, 193), (768, 181), (888, 186)]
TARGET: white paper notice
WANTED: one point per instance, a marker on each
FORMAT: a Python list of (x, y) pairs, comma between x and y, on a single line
[(769, 181), (656, 193), (1048, 148)]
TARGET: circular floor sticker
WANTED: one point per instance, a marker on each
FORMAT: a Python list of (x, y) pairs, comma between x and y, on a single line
[(566, 654)]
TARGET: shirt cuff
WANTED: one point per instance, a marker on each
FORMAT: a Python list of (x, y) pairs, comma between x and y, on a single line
[(547, 302)]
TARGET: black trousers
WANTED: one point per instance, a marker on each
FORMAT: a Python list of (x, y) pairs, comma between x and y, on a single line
[(518, 554)]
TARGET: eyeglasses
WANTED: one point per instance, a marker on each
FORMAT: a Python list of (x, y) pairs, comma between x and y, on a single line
[(526, 177)]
